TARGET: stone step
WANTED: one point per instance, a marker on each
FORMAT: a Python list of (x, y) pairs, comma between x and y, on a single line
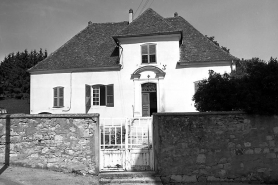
[(127, 178), (155, 183), (119, 174), (130, 181)]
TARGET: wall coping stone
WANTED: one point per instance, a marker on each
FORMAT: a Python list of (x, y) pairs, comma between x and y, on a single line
[(197, 113), (24, 116)]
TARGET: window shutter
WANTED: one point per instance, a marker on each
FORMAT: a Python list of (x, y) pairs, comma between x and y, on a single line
[(61, 96), (110, 95), (55, 93), (87, 97)]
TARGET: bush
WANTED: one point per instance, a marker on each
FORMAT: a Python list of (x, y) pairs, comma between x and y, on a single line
[(253, 89)]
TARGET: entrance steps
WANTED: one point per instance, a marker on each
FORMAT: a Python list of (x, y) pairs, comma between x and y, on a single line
[(129, 178)]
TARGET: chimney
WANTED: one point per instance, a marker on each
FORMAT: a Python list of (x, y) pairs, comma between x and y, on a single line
[(176, 14), (130, 16)]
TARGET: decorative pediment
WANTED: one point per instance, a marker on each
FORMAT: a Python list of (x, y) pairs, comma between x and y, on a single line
[(158, 72)]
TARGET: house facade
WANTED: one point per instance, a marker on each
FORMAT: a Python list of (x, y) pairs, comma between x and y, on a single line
[(127, 69)]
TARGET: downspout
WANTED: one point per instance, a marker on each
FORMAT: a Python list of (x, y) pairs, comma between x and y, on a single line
[(70, 93), (122, 49)]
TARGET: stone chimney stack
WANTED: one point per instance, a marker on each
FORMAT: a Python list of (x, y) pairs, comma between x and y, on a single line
[(130, 16), (176, 14)]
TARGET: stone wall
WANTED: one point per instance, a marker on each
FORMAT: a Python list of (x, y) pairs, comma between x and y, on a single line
[(229, 146), (66, 143)]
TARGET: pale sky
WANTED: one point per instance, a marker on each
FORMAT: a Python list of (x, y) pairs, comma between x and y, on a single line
[(249, 28)]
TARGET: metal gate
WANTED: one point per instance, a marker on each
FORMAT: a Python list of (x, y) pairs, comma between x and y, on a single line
[(126, 144)]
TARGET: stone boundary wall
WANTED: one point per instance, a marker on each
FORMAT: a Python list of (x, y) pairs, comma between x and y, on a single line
[(228, 146), (66, 143)]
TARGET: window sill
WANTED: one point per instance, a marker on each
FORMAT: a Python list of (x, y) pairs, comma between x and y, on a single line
[(100, 106), (58, 107), (155, 63)]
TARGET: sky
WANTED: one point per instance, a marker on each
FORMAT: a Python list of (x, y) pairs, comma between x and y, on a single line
[(249, 28)]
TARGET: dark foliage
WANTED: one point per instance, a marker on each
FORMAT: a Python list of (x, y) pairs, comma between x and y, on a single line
[(253, 88), (14, 78)]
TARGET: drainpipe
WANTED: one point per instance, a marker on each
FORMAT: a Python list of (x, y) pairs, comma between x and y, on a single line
[(70, 93), (122, 49)]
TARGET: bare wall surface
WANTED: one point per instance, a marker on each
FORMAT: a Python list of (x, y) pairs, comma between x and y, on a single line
[(66, 143), (231, 146)]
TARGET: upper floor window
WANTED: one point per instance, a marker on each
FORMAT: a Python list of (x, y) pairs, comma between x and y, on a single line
[(103, 95), (58, 97), (148, 53)]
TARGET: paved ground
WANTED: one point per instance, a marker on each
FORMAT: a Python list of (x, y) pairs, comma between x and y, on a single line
[(14, 175)]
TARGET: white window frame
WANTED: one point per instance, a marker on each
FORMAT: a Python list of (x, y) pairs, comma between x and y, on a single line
[(96, 98), (148, 54)]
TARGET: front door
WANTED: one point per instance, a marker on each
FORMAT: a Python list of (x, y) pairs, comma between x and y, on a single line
[(126, 144), (145, 104), (149, 99)]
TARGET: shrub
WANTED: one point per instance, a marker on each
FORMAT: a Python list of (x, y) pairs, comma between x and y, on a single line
[(253, 88)]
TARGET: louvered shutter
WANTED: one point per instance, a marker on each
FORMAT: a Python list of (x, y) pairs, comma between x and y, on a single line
[(87, 97), (61, 97), (110, 95), (55, 95)]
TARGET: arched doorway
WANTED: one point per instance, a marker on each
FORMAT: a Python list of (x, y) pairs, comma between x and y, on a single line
[(149, 99)]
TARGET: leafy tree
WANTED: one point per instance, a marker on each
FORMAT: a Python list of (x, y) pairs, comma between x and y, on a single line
[(14, 78), (253, 88)]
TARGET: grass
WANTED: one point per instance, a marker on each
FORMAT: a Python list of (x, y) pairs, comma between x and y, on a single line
[(15, 106)]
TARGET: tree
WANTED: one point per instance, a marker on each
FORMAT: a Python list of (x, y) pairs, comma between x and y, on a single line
[(14, 78), (215, 90), (253, 88)]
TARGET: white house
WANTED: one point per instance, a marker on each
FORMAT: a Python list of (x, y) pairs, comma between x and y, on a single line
[(127, 69)]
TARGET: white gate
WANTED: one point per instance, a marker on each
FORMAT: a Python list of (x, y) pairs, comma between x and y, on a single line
[(126, 144)]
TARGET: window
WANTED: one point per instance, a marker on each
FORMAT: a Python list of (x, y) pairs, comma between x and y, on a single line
[(148, 53), (196, 85), (58, 97), (103, 95)]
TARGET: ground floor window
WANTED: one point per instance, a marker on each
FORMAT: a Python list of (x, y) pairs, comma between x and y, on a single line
[(103, 95), (196, 85), (58, 94)]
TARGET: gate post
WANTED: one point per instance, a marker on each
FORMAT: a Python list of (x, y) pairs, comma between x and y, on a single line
[(156, 141), (96, 143)]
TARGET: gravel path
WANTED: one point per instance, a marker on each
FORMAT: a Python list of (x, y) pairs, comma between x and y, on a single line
[(15, 175)]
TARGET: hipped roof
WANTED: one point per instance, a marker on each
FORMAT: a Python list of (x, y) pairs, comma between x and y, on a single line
[(94, 46)]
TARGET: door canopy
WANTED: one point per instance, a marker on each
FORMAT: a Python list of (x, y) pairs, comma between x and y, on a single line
[(137, 73)]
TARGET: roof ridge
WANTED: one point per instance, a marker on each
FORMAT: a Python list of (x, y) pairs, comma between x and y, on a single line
[(108, 22), (149, 9), (160, 17)]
